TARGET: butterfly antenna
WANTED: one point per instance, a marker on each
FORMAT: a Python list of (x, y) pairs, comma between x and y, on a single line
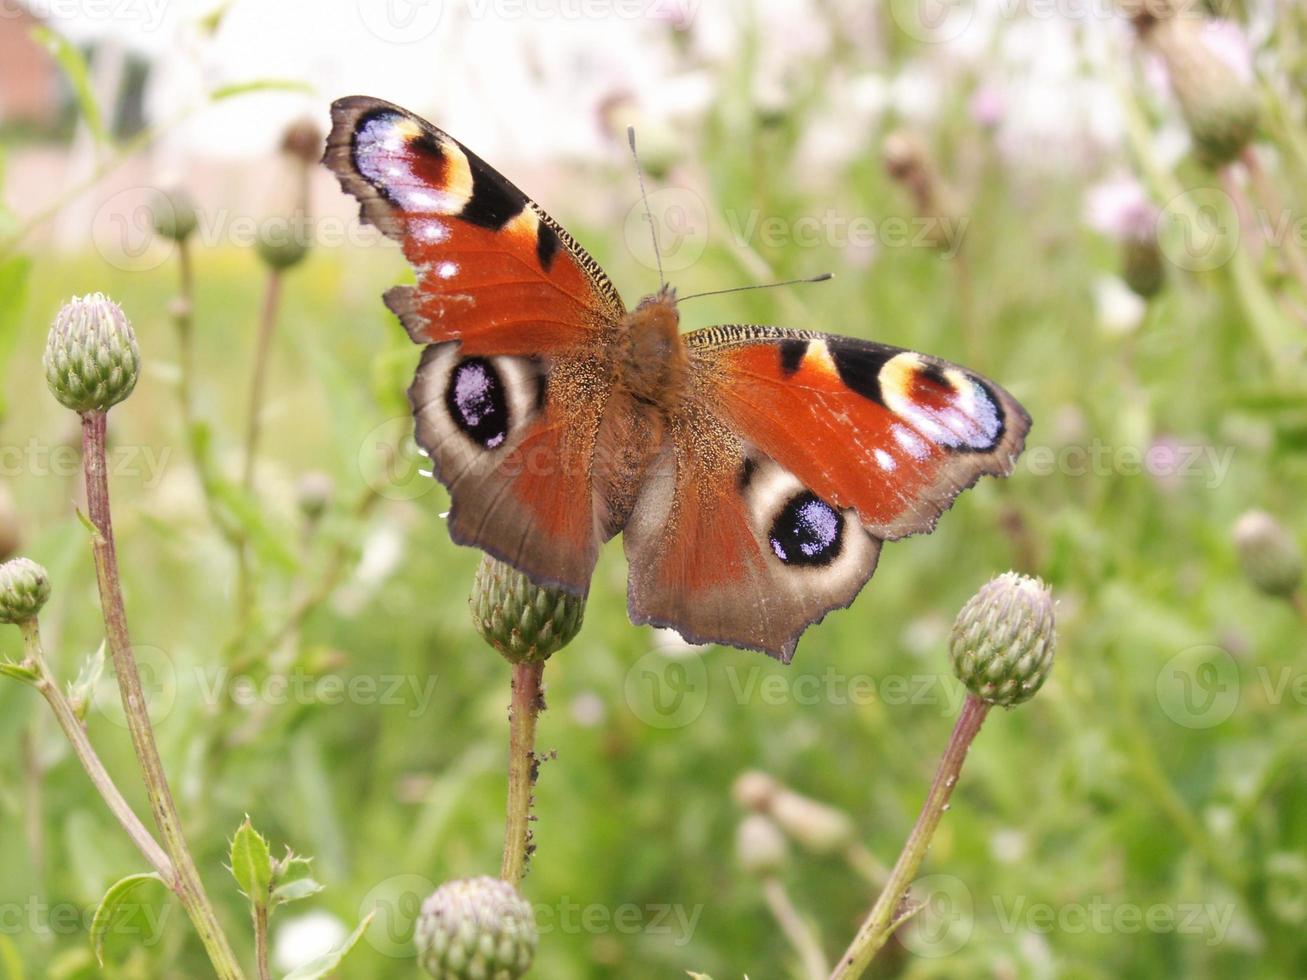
[(761, 285), (648, 215)]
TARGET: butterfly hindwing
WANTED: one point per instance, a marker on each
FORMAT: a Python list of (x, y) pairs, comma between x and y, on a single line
[(512, 385), (797, 454), (892, 433)]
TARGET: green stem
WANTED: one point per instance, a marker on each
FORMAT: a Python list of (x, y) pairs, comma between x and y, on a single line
[(885, 914), (190, 890), (72, 727), (260, 914), (798, 933), (528, 702)]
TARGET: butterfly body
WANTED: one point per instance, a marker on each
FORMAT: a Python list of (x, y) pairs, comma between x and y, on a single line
[(752, 471)]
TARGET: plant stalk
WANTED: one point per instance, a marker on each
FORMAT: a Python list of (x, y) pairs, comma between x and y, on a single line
[(528, 702), (190, 890), (72, 727), (796, 930), (885, 914)]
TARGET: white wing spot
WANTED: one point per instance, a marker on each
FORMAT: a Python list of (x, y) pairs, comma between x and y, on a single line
[(885, 461)]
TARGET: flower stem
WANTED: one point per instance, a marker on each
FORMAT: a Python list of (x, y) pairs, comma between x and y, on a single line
[(260, 913), (528, 702), (885, 914), (190, 890), (795, 929), (72, 727), (259, 377)]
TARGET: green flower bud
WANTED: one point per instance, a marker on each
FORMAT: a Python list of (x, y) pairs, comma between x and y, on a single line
[(523, 621), (760, 846), (476, 929), (174, 214), (1003, 639), (1269, 555), (1142, 263), (283, 242), (24, 589), (91, 358), (1220, 109)]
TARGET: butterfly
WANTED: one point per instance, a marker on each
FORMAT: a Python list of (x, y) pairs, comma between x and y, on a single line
[(753, 471)]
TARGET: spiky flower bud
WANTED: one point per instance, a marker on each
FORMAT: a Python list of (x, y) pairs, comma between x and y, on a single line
[(527, 623), (282, 242), (24, 589), (476, 929), (91, 358), (1003, 639), (173, 213), (760, 846), (1220, 108), (1270, 557)]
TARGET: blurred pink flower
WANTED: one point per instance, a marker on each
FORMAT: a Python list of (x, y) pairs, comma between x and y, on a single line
[(1227, 40), (1119, 208), (987, 105)]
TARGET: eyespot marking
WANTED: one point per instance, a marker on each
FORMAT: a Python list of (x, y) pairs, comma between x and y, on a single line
[(477, 402), (807, 531)]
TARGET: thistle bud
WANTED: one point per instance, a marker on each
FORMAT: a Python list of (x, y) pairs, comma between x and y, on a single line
[(313, 493), (303, 141), (24, 589), (760, 846), (527, 623), (91, 358), (815, 826), (173, 213), (1142, 265), (754, 790), (476, 929), (1220, 108), (11, 527), (1003, 639), (1270, 557), (908, 161)]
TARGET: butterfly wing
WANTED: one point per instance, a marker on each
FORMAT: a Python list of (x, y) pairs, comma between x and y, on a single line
[(795, 456), (517, 317)]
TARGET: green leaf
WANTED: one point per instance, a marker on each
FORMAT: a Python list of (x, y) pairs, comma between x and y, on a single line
[(74, 66), (258, 85), (295, 890), (326, 964), (18, 672), (82, 690), (111, 904), (251, 864)]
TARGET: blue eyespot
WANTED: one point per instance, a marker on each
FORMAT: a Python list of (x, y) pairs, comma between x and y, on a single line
[(807, 531), (477, 402)]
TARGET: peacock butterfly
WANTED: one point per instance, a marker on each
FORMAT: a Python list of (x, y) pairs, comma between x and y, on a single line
[(753, 471)]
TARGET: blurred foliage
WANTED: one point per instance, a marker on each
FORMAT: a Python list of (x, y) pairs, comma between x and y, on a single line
[(1109, 791)]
